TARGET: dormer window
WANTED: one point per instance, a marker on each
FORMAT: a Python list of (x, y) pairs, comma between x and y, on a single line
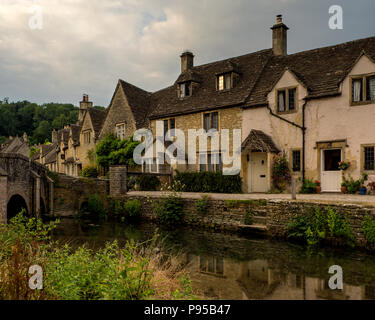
[(287, 100), (363, 89), (224, 81), (185, 89)]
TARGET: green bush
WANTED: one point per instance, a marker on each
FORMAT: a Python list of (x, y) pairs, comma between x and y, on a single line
[(148, 183), (314, 226), (202, 204), (368, 228), (169, 209), (95, 207), (209, 182), (308, 186), (249, 218), (90, 172), (132, 209)]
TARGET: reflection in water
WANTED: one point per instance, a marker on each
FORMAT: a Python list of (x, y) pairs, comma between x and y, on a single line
[(232, 267)]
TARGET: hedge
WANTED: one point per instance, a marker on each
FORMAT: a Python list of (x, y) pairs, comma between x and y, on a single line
[(214, 182)]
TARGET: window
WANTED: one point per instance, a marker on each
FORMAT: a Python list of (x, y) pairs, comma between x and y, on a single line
[(120, 131), (185, 89), (169, 124), (87, 137), (211, 121), (368, 158), (296, 160), (363, 89), (224, 81), (210, 162), (287, 100)]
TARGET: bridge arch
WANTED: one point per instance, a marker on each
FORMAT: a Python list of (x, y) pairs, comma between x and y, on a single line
[(15, 205)]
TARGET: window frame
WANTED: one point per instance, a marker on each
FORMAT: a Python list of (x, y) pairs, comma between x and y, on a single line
[(230, 74), (362, 158), (215, 166), (119, 125), (86, 134), (364, 78), (169, 120), (210, 118), (188, 86), (287, 104), (292, 151)]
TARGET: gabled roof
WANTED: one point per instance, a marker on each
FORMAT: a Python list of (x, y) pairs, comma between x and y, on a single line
[(257, 140), (97, 117), (75, 131), (51, 157), (63, 136), (321, 70), (139, 102), (47, 148), (205, 96)]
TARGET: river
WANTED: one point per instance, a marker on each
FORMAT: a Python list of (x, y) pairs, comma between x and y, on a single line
[(227, 266)]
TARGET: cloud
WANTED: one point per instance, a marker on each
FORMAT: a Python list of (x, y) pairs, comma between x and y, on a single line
[(87, 45)]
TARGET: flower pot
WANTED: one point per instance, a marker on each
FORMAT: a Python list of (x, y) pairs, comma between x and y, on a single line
[(343, 190), (318, 189), (363, 191)]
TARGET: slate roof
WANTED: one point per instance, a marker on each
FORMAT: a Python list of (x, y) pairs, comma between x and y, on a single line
[(139, 102), (63, 136), (321, 70), (205, 96), (47, 148), (257, 140), (51, 157), (75, 132), (97, 119)]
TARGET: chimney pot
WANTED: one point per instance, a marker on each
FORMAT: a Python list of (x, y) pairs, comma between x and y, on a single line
[(187, 61)]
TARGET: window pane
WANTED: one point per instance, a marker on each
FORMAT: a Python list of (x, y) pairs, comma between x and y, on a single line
[(369, 158), (187, 89), (357, 90), (182, 90), (206, 121), (296, 160), (228, 81), (371, 89), (221, 82), (281, 101), (332, 159), (165, 127), (209, 163), (292, 99), (219, 163), (219, 266), (215, 121), (202, 162), (172, 125)]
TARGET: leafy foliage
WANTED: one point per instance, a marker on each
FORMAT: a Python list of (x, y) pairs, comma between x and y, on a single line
[(90, 172), (114, 151), (94, 207), (209, 182), (169, 209), (36, 120), (148, 183), (280, 171), (314, 227), (308, 186), (133, 209), (368, 228), (202, 204)]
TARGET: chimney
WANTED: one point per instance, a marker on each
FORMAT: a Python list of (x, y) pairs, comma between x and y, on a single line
[(279, 37), (187, 61), (54, 135), (25, 137), (83, 106)]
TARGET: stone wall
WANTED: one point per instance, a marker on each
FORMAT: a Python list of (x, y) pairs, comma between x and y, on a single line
[(229, 215), (71, 193)]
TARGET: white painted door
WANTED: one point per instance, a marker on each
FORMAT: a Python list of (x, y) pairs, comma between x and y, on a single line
[(330, 172), (258, 167)]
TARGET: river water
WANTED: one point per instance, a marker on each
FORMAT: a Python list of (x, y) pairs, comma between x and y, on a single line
[(227, 266)]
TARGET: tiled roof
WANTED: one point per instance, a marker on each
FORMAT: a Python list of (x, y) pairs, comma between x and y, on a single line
[(139, 102), (205, 96), (75, 132), (320, 70), (258, 141), (97, 118), (47, 148), (51, 157), (63, 135)]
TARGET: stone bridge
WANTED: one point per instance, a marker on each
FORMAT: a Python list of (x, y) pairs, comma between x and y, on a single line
[(24, 184)]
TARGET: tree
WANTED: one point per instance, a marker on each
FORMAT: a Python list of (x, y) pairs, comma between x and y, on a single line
[(114, 151), (43, 132)]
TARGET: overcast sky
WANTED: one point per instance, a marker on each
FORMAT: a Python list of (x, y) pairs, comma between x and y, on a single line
[(85, 46)]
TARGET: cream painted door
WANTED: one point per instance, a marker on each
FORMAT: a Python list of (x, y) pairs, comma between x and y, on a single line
[(258, 167), (330, 172)]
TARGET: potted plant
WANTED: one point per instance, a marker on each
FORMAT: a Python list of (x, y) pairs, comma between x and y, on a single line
[(371, 186), (344, 187), (362, 188), (318, 187), (343, 165)]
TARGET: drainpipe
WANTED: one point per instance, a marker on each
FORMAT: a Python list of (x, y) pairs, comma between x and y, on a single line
[(300, 127)]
